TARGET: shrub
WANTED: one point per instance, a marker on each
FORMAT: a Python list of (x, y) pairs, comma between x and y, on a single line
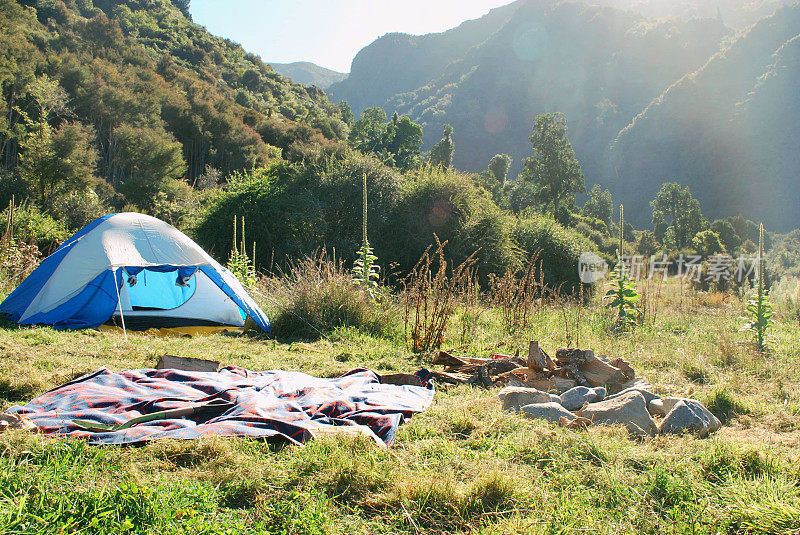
[(558, 249), (450, 206), (318, 295), (78, 208), (294, 209), (33, 227), (786, 297)]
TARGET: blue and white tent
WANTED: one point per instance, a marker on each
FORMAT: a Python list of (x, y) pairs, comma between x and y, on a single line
[(135, 270)]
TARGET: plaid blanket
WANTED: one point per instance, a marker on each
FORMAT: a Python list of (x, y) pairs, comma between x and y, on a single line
[(283, 405)]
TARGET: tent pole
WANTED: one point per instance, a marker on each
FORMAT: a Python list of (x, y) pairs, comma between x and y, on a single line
[(119, 305)]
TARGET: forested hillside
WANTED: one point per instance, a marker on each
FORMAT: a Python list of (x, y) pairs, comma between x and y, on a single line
[(599, 66), (729, 130), (647, 101), (134, 100)]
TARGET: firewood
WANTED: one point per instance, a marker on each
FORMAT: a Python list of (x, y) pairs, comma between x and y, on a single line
[(446, 359)]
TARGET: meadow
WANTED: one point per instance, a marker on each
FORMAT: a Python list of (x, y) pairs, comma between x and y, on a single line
[(463, 466)]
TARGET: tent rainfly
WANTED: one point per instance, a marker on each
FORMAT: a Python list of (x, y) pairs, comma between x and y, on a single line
[(135, 271)]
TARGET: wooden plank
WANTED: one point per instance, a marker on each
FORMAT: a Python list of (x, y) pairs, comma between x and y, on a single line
[(171, 362), (535, 361)]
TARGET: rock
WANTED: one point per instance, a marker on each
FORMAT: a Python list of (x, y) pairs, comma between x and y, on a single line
[(555, 399), (515, 397), (634, 384), (660, 407), (648, 396), (689, 415), (628, 409), (575, 398), (551, 411)]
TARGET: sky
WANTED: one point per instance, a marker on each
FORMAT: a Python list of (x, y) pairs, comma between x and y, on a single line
[(328, 32)]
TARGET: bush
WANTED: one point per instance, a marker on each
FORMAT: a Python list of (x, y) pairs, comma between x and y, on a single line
[(319, 295), (559, 250), (292, 210), (448, 205), (78, 209), (33, 227), (785, 296)]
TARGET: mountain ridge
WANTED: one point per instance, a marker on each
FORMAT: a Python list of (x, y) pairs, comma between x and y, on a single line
[(605, 68), (308, 73)]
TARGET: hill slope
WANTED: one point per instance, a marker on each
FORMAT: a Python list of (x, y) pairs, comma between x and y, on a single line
[(647, 101), (307, 73), (729, 130), (140, 70), (600, 66)]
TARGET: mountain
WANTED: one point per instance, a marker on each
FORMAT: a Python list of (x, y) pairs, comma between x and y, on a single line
[(399, 62), (735, 13), (730, 130), (600, 66), (307, 73), (647, 101)]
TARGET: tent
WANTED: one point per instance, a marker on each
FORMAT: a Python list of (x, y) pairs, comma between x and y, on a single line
[(134, 271)]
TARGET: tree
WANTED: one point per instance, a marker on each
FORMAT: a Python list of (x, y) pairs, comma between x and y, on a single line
[(494, 179), (553, 168), (727, 234), (647, 245), (183, 6), (346, 112), (368, 133), (404, 141), (442, 153), (676, 215), (396, 143), (707, 243), (499, 166), (150, 160), (599, 205), (54, 159)]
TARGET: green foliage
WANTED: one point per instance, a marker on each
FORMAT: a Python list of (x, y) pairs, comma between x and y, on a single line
[(78, 208), (239, 263), (621, 295), (148, 161), (442, 153), (647, 245), (676, 216), (759, 309), (707, 243), (558, 251), (448, 205), (499, 166), (151, 98), (318, 296), (365, 268), (727, 234), (33, 227), (599, 205), (553, 168), (396, 143)]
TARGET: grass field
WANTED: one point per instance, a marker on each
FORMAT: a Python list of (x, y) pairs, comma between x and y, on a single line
[(464, 466)]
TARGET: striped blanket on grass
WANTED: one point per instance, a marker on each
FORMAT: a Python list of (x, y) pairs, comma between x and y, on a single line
[(282, 405)]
